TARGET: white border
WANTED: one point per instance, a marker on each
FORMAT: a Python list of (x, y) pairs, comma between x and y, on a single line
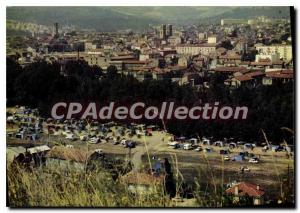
[(3, 6)]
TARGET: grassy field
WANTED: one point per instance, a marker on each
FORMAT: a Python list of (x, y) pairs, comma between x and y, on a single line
[(57, 188)]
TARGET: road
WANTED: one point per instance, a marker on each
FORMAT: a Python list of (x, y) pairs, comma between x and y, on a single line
[(152, 142)]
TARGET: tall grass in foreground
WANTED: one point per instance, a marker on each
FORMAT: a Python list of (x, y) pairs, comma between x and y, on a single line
[(61, 188)]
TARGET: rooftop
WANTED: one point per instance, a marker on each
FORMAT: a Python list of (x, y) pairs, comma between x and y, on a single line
[(230, 69), (141, 178), (246, 188)]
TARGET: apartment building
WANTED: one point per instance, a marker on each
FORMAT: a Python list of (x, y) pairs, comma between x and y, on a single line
[(195, 49), (284, 51)]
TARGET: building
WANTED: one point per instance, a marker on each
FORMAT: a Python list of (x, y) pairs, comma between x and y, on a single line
[(284, 51), (142, 183), (165, 52), (55, 30), (272, 57), (123, 58), (195, 49), (174, 40), (241, 46), (170, 30), (134, 65), (191, 78), (283, 76), (202, 36), (163, 32), (117, 64), (78, 46), (89, 46), (229, 70), (233, 21), (230, 58), (183, 61), (212, 39), (34, 156), (159, 75), (96, 59), (240, 80), (142, 76), (244, 189)]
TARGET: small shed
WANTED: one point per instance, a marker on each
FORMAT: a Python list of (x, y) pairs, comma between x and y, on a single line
[(13, 152)]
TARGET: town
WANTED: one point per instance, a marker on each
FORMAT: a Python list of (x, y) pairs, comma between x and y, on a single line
[(241, 62), (245, 51)]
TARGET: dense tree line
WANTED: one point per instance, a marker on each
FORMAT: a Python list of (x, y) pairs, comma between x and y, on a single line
[(41, 84)]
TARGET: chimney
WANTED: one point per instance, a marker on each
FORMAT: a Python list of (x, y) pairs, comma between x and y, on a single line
[(236, 190), (257, 187)]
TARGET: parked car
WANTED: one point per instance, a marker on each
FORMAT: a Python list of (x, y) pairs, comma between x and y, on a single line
[(100, 151), (130, 144), (174, 143), (198, 149), (265, 148), (244, 169), (94, 140), (226, 158), (176, 146), (279, 149), (123, 142), (187, 146), (84, 137), (253, 160), (71, 137), (67, 132)]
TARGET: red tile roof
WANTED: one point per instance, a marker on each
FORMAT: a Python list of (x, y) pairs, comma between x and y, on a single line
[(261, 63), (141, 178), (245, 63), (243, 78), (191, 75), (279, 75), (196, 45), (246, 188), (287, 71), (233, 57), (231, 69), (279, 62), (255, 73), (264, 60), (135, 62), (123, 57)]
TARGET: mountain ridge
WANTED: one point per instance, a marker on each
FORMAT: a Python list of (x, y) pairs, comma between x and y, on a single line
[(120, 18)]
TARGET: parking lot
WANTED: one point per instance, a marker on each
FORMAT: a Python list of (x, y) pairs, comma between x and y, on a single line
[(193, 158)]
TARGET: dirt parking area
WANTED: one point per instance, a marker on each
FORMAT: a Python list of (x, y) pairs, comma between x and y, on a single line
[(192, 165)]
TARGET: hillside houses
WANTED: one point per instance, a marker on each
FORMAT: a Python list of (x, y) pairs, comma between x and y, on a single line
[(237, 76)]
